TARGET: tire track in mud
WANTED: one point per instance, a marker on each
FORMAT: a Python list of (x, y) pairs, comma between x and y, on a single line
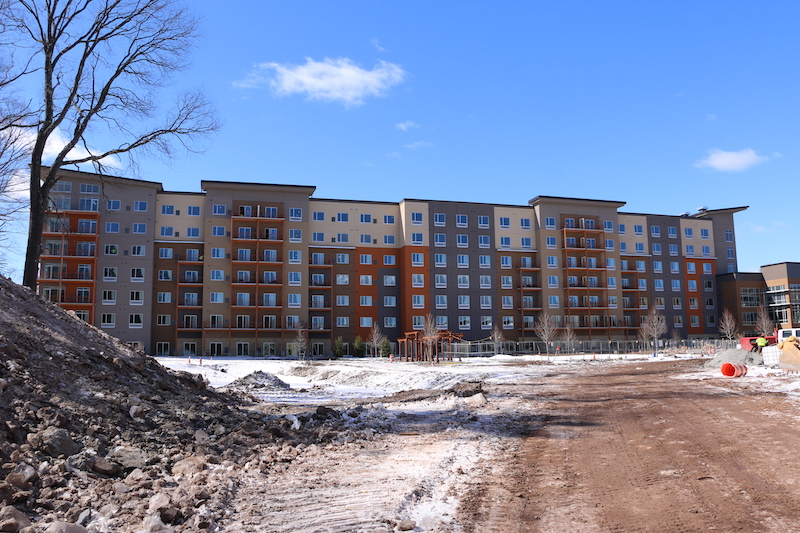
[(638, 449)]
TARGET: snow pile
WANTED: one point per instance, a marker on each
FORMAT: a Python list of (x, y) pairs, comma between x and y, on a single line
[(735, 356)]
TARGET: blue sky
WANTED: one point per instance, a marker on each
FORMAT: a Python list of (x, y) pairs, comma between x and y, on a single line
[(667, 106)]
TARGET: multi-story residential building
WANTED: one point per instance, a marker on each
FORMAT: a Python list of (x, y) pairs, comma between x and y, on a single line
[(776, 289), (241, 268)]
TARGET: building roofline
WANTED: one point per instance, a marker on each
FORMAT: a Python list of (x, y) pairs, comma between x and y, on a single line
[(107, 176), (724, 210), (542, 198), (463, 202), (781, 263), (238, 184)]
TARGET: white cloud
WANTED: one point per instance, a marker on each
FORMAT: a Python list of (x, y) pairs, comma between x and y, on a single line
[(407, 125), (377, 44), (418, 144), (328, 80), (731, 161)]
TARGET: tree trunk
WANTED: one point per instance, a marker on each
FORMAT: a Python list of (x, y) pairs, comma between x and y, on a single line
[(36, 226)]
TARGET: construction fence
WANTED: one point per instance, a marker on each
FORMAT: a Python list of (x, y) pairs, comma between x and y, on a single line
[(664, 346)]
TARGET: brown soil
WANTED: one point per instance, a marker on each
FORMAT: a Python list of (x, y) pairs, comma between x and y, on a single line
[(639, 448)]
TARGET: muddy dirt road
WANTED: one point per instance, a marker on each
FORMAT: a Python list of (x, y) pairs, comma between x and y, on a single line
[(634, 448)]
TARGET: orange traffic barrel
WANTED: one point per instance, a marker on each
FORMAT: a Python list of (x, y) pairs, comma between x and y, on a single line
[(733, 370)]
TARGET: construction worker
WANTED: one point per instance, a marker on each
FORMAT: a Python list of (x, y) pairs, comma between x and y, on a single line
[(760, 343)]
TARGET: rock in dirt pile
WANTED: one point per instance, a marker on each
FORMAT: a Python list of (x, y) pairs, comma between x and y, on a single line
[(95, 436)]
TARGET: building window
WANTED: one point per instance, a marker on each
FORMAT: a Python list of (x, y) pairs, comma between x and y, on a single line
[(728, 235), (342, 217), (417, 301), (656, 248), (486, 282), (388, 219), (462, 260), (140, 205), (416, 238), (550, 223), (485, 261), (505, 261), (113, 205), (463, 322), (417, 259), (295, 213), (505, 222), (366, 218), (365, 259), (342, 279), (416, 219), (365, 279), (391, 281), (553, 301), (389, 260), (463, 281), (136, 320), (139, 228), (461, 221), (552, 261), (483, 221), (439, 239), (525, 223), (463, 301), (108, 320), (343, 259)]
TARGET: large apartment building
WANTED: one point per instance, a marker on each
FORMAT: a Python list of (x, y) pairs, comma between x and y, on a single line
[(240, 268)]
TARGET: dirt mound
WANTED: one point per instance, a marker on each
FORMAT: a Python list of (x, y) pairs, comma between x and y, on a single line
[(95, 433), (257, 382), (735, 356)]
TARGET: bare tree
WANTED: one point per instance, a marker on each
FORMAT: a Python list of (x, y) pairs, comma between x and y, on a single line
[(546, 329), (570, 336), (497, 339), (653, 327), (301, 339), (375, 339), (764, 324), (100, 64), (727, 325), (430, 336)]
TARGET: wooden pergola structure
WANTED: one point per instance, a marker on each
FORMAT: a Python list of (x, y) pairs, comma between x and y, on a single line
[(415, 346)]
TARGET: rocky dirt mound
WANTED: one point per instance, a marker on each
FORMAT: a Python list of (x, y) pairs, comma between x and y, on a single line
[(735, 356), (103, 438), (256, 383)]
